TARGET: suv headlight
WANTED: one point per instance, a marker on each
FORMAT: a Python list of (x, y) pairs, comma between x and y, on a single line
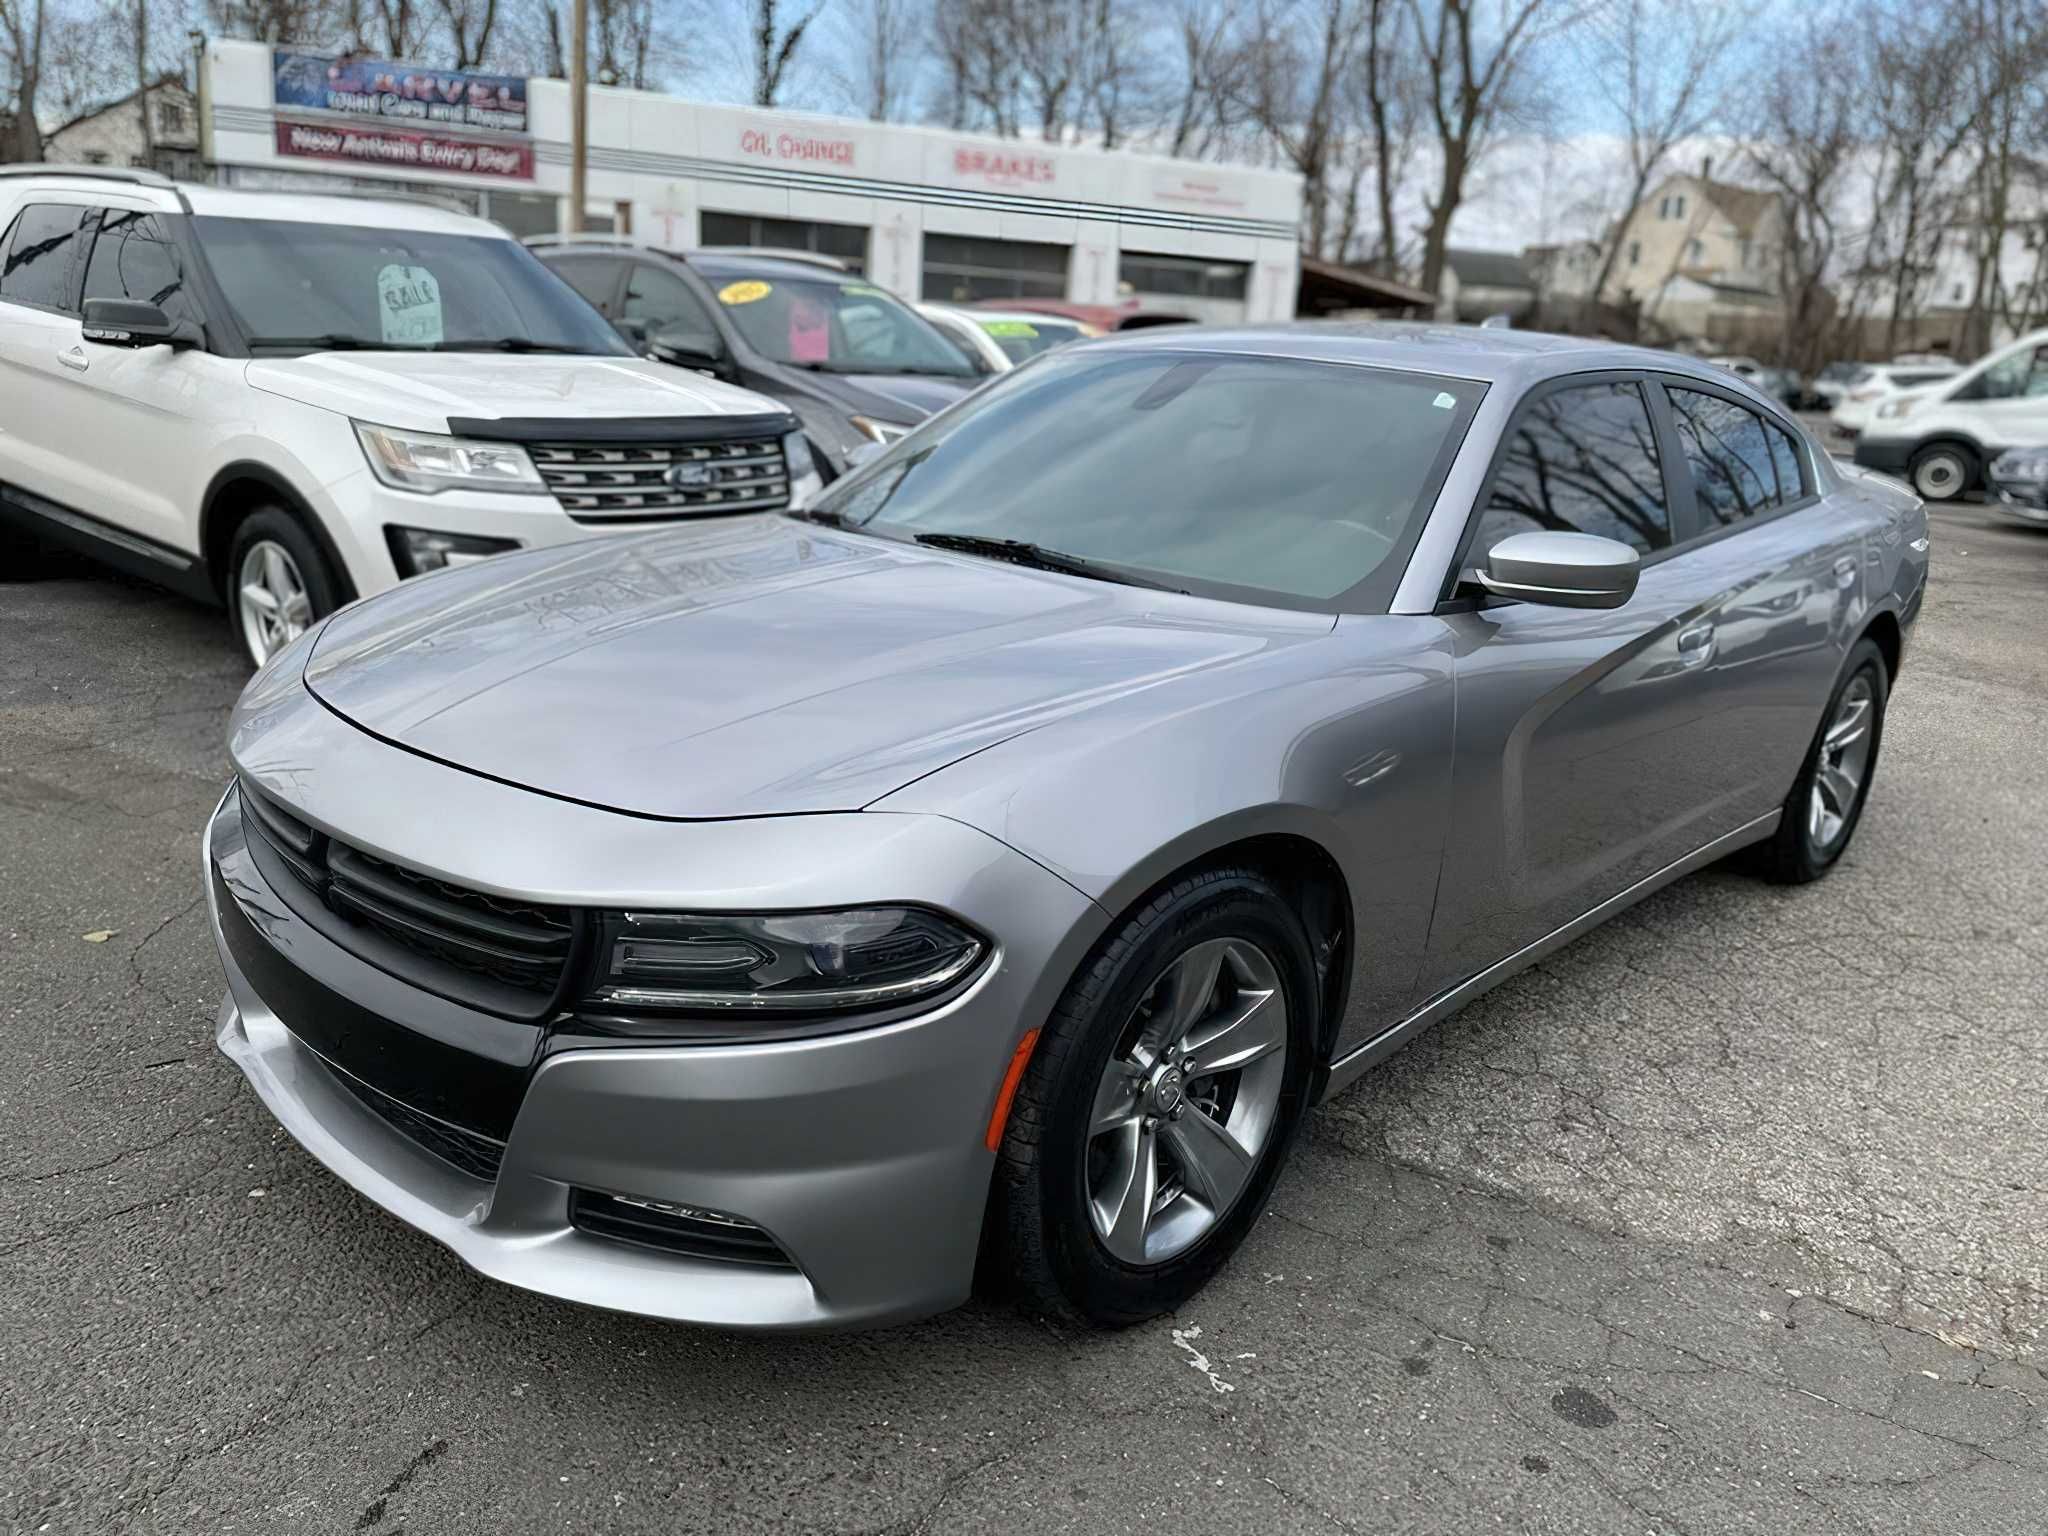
[(879, 431), (1892, 410), (426, 461), (780, 963)]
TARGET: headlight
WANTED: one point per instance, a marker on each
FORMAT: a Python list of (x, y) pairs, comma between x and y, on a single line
[(2021, 464), (426, 461), (780, 963), (416, 551), (796, 453), (879, 431), (1892, 410)]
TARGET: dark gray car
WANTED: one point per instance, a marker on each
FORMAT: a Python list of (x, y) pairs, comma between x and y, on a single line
[(856, 364), (753, 923)]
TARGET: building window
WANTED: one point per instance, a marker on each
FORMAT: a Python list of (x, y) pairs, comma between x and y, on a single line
[(95, 157), (846, 243), (959, 269), (1695, 252), (170, 117), (1746, 254), (1678, 206), (1209, 290), (1635, 253)]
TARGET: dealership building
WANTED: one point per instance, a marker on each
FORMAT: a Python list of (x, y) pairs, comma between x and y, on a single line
[(927, 213)]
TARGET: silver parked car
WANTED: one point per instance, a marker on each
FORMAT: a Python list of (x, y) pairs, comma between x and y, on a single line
[(756, 921)]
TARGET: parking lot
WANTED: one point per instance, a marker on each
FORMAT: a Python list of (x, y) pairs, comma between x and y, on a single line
[(1726, 1218)]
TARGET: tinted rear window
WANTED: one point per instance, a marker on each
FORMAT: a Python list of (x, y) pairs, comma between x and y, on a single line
[(41, 252)]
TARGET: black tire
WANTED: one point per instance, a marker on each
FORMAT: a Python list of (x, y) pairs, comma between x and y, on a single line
[(1794, 854), (276, 525), (1943, 471), (1045, 1245)]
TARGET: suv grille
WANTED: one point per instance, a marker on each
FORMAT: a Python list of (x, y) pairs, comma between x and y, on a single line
[(604, 482), (517, 950)]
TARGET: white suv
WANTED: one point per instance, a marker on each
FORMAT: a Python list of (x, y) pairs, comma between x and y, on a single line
[(284, 402)]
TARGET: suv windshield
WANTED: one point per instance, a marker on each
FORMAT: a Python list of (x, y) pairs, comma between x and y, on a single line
[(1275, 480), (836, 325), (306, 287)]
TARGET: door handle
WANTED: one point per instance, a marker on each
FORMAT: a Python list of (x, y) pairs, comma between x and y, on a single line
[(1696, 645), (74, 357)]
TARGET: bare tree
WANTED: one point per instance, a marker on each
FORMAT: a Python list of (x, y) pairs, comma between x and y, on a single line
[(1802, 145), (878, 48), (775, 48), (1392, 92), (468, 25), (1473, 67), (1657, 63), (1205, 101), (23, 35)]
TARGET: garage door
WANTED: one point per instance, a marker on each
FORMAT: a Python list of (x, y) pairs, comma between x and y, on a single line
[(959, 269)]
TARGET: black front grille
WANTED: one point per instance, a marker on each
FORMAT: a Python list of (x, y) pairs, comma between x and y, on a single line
[(680, 1229), (638, 482), (464, 1150), (505, 955)]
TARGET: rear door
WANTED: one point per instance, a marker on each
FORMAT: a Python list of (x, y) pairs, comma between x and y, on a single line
[(1596, 748)]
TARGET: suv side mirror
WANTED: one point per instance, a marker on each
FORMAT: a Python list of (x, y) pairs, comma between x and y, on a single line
[(132, 323), (1562, 570), (686, 347)]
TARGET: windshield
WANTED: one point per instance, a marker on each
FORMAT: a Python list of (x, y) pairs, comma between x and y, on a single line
[(1263, 479), (1020, 339), (836, 325), (306, 287)]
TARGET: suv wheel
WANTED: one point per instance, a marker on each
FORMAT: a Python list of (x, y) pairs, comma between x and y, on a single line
[(278, 583), (1160, 1103)]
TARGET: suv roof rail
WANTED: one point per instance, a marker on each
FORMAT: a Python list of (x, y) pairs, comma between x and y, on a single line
[(779, 253), (129, 173)]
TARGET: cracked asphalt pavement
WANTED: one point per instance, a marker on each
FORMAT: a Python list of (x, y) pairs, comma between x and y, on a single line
[(1727, 1218)]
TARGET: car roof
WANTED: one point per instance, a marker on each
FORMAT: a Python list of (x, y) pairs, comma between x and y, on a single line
[(394, 213), (1028, 316), (744, 264), (1460, 351)]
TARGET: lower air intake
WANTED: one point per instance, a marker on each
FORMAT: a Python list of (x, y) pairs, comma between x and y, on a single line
[(679, 1229)]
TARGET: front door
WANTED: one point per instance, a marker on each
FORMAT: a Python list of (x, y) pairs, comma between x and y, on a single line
[(1585, 753)]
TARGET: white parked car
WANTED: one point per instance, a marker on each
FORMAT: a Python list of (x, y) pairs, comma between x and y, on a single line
[(1879, 382), (999, 339), (285, 402), (1940, 439)]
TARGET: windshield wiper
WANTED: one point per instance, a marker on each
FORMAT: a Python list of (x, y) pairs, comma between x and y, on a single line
[(505, 344), (1022, 552), (328, 343)]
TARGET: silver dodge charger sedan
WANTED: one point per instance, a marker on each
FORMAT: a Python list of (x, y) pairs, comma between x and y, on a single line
[(771, 921)]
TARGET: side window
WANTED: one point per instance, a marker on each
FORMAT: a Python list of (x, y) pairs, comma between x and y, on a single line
[(2020, 375), (1728, 454), (655, 298), (1786, 457), (133, 258), (592, 276), (40, 256), (1580, 460)]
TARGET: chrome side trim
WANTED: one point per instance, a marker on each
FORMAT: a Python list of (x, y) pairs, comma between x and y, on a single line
[(1347, 1069)]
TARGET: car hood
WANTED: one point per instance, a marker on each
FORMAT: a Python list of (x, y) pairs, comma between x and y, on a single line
[(424, 391), (901, 397), (754, 667)]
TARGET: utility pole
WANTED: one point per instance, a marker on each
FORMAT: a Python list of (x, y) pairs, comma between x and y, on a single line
[(579, 111), (142, 82)]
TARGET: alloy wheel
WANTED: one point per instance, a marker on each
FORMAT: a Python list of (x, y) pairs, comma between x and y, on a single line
[(1188, 1101), (1842, 762), (271, 594)]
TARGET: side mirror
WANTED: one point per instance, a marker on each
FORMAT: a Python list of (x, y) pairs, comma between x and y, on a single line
[(132, 323), (1562, 570), (634, 331), (862, 453), (686, 347)]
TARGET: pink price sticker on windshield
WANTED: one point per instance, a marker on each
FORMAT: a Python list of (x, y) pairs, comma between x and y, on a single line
[(810, 331)]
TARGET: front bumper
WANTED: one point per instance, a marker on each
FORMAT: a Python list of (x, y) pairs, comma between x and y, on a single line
[(861, 1154)]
